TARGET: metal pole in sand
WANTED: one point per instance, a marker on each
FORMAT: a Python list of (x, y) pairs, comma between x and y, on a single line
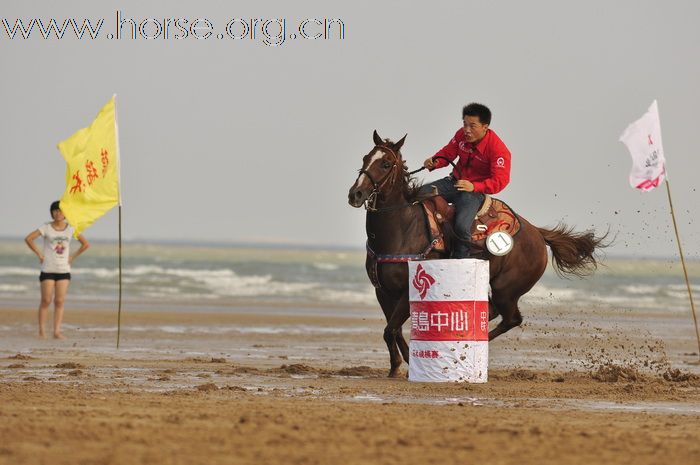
[(119, 310), (685, 270), (119, 183)]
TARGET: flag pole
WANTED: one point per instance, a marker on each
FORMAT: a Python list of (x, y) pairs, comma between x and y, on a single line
[(119, 307), (685, 270), (119, 183)]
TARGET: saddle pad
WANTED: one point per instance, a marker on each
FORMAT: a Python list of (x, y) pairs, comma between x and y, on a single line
[(493, 216), (498, 217)]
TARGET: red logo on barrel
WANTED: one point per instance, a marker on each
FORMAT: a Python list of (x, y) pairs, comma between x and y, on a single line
[(422, 281)]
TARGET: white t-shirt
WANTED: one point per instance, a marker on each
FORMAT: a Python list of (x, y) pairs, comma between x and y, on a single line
[(56, 248)]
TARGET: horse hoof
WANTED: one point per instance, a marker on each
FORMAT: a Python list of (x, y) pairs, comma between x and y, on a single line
[(393, 374)]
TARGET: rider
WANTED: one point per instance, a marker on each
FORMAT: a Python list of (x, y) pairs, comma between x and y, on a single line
[(483, 168)]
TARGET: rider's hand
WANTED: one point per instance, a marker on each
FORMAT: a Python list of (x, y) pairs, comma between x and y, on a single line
[(464, 185), (429, 163)]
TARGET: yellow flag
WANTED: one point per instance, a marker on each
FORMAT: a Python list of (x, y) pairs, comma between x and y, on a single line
[(92, 171)]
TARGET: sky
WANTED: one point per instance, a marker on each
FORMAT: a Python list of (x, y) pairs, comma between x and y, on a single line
[(233, 140)]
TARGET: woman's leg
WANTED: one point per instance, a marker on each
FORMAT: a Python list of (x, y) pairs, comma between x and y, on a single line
[(47, 288), (58, 301)]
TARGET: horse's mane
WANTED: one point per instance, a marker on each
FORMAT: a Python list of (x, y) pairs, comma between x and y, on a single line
[(411, 186)]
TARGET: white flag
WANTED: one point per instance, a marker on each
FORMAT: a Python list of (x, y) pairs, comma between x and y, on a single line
[(643, 140)]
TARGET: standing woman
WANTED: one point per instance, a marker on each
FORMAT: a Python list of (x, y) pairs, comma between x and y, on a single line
[(55, 266)]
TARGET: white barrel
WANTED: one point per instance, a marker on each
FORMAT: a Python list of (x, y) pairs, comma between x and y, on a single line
[(449, 320)]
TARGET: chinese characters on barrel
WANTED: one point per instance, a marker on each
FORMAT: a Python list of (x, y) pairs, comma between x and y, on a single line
[(483, 321), (455, 320), (425, 353)]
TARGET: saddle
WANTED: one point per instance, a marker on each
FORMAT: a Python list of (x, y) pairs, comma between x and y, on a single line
[(494, 215)]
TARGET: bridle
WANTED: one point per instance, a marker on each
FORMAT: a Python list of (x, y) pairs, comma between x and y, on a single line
[(371, 201)]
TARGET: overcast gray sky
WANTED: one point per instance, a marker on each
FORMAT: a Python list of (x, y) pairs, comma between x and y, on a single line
[(233, 140)]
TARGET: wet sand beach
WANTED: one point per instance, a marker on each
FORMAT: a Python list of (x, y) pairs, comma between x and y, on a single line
[(264, 384)]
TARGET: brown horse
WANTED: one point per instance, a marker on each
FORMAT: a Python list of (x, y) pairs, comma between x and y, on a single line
[(396, 227)]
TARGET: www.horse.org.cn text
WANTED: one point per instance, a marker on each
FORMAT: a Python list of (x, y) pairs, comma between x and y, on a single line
[(271, 32)]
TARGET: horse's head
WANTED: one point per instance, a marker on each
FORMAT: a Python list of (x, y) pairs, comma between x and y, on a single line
[(381, 168)]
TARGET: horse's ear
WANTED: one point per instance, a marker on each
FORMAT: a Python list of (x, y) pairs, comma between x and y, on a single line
[(399, 144), (377, 140)]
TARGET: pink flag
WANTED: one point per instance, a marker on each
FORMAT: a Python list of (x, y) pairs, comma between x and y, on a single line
[(643, 140)]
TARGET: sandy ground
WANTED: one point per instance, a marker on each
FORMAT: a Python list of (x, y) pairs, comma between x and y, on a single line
[(270, 384)]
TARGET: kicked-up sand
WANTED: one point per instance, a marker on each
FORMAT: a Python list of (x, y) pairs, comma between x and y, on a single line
[(274, 384)]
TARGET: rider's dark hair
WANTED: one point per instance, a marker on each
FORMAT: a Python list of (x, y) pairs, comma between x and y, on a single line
[(54, 206), (477, 109)]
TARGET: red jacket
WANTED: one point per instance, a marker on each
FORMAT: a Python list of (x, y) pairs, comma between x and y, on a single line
[(486, 164)]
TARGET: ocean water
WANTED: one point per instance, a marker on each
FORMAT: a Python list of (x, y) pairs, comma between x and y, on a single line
[(205, 276)]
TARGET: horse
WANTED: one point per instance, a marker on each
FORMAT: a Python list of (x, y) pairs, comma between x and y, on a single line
[(396, 227)]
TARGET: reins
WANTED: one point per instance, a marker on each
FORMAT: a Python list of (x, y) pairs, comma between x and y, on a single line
[(441, 158), (371, 202)]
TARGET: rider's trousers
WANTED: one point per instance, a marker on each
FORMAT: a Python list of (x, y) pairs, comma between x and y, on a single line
[(466, 204)]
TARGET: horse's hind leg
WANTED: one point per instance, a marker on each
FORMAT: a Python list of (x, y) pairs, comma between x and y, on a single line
[(389, 304), (510, 314)]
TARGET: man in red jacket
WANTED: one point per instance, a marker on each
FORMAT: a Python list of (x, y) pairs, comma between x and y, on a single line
[(483, 168)]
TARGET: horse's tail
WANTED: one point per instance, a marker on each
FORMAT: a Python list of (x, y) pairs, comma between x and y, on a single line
[(573, 253)]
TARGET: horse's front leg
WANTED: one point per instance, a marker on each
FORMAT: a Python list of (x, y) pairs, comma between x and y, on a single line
[(493, 311), (403, 345), (389, 302), (393, 336)]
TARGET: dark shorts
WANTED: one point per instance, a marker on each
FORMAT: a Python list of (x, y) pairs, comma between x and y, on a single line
[(55, 276)]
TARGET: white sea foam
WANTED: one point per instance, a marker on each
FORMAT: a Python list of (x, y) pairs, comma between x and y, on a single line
[(214, 282), (103, 273), (169, 293), (113, 272), (18, 271), (553, 295), (326, 266), (13, 288), (366, 297), (624, 300), (684, 288), (680, 295), (641, 289)]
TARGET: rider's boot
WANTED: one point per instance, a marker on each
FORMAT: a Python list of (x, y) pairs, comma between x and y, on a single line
[(459, 249)]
